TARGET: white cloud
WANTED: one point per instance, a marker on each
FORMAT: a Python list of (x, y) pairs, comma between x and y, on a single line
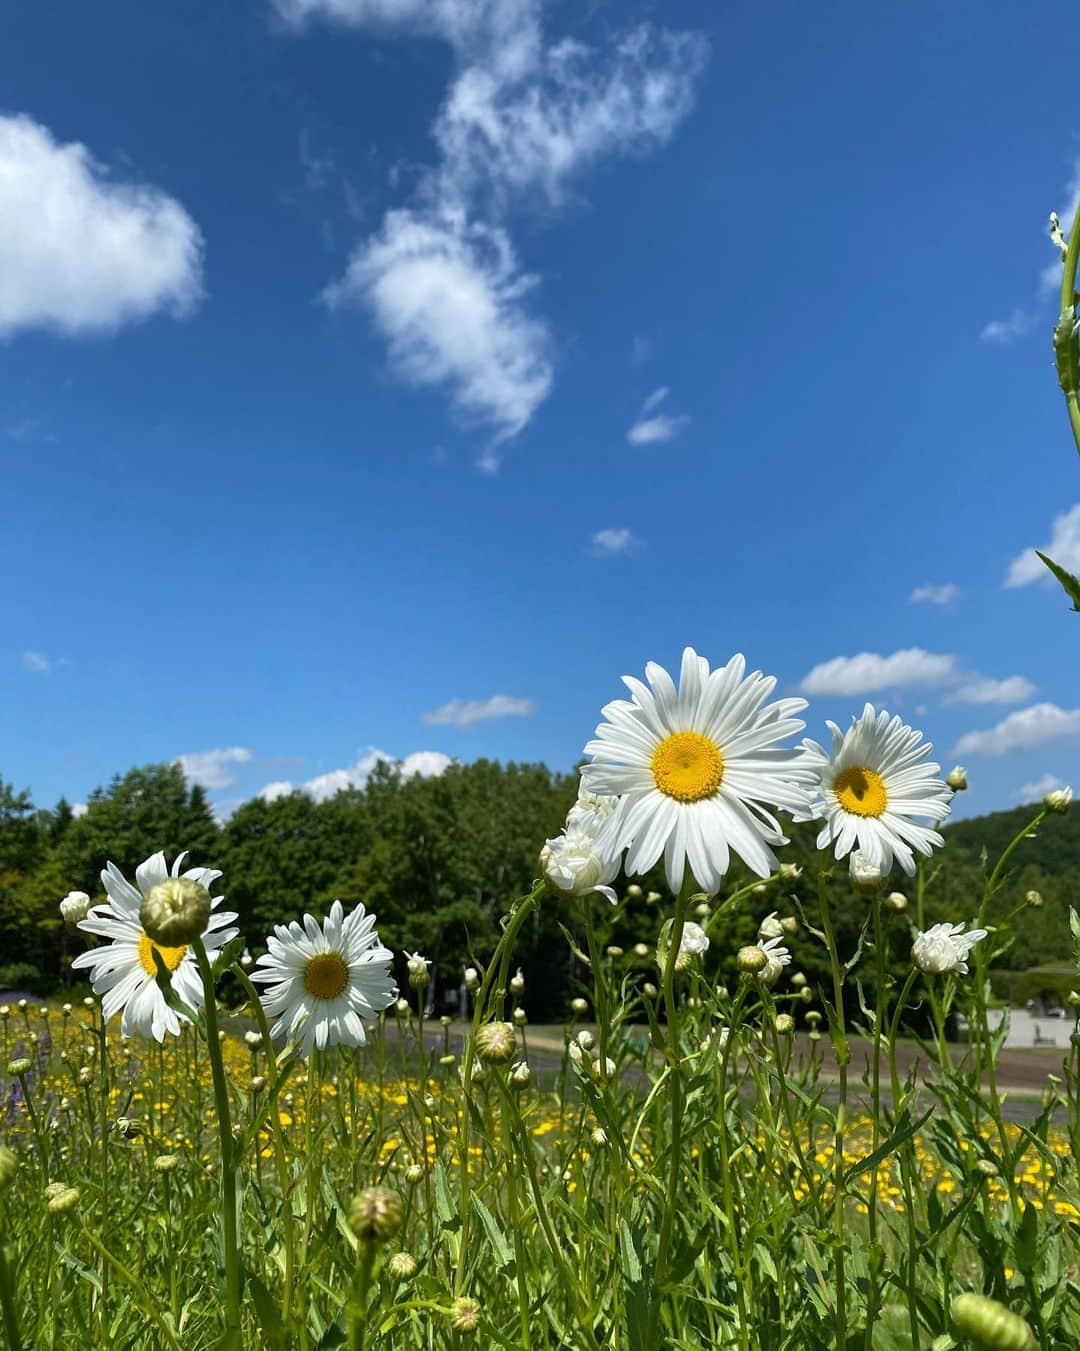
[(610, 543), (1005, 330), (426, 764), (869, 671), (37, 662), (659, 426), (80, 252), (1038, 788), (1022, 731), (448, 298), (523, 117), (464, 712), (78, 809), (935, 595), (984, 690), (1063, 547), (211, 769)]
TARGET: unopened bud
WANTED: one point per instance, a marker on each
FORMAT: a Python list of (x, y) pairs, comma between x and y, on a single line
[(957, 778), (634, 891), (520, 1077), (520, 1017), (1058, 800), (74, 908), (402, 1266), (496, 1043), (165, 1163), (896, 900), (866, 877), (419, 970), (465, 1315), (517, 984), (175, 912), (990, 1324), (472, 978), (61, 1198), (579, 1006), (376, 1214), (1034, 898), (752, 959), (785, 1024), (770, 927), (20, 1066)]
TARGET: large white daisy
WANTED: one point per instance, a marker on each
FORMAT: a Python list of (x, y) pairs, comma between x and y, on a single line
[(875, 779), (123, 971), (694, 768), (324, 980)]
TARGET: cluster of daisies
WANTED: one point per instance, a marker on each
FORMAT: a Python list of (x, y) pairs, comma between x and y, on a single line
[(692, 773)]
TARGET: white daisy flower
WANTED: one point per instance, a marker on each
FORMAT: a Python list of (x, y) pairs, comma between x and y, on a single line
[(777, 957), (324, 980), (945, 947), (875, 779), (123, 972), (583, 858), (694, 939), (694, 767)]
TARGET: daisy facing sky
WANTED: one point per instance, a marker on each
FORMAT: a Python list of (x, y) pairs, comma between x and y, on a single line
[(697, 768), (123, 972), (324, 979), (871, 784)]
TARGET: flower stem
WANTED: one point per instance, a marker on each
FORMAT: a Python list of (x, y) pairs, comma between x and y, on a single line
[(843, 1057), (7, 1301)]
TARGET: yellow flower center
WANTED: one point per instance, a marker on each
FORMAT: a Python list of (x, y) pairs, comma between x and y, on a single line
[(172, 957), (861, 791), (687, 766), (326, 975)]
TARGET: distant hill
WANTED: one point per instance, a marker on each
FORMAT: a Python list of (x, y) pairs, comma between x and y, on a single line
[(1056, 849)]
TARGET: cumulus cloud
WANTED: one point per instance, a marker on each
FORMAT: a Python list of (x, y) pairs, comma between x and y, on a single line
[(1038, 788), (1063, 547), (1023, 730), (868, 672), (465, 712), (523, 118), (944, 594), (650, 426), (78, 809), (213, 769), (426, 764), (985, 690), (79, 251), (37, 662), (1005, 330), (448, 297), (612, 543)]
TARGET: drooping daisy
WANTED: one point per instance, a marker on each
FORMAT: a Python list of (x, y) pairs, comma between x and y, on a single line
[(583, 858), (123, 972), (694, 939), (874, 780), (694, 768), (324, 980), (777, 957), (945, 947)]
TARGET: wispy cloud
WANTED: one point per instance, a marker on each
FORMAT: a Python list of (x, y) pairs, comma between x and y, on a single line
[(1039, 725), (1063, 547), (977, 689), (1023, 319), (1038, 788), (213, 769), (869, 672), (613, 543), (465, 712), (104, 253), (523, 118), (37, 662), (651, 426), (945, 594), (427, 764)]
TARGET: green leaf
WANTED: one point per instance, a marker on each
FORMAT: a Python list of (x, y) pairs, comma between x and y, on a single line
[(1027, 1239), (905, 1129), (1070, 583), (266, 1311), (504, 1255), (629, 1259)]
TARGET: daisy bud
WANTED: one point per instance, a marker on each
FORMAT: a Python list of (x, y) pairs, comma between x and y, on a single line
[(520, 1017), (813, 1017), (649, 990), (987, 1167), (89, 1002), (20, 1066), (753, 959), (721, 992), (520, 1077), (990, 1324), (258, 1083), (465, 1315), (253, 1039), (414, 1174), (652, 897), (447, 1060), (175, 912), (246, 960), (429, 1102), (1034, 898), (585, 1039), (574, 1051), (641, 949), (614, 951), (5, 1011), (814, 1034), (599, 1137), (66, 1010), (896, 900), (496, 1043), (1058, 801), (790, 925), (517, 983), (603, 1069), (634, 892), (86, 1076), (9, 1166), (472, 979), (74, 908), (785, 1024), (957, 778), (401, 1008), (61, 1198), (770, 927), (445, 1021), (1073, 999), (22, 1005), (165, 1163), (129, 1127), (375, 1215), (866, 877), (419, 969), (703, 910), (579, 1006), (694, 940), (798, 980), (402, 1266), (789, 872)]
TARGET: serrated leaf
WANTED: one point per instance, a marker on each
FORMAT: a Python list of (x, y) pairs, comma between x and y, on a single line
[(504, 1255)]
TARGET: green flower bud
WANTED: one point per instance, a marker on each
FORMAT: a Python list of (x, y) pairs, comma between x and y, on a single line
[(752, 959), (785, 1024), (176, 912), (376, 1214), (496, 1043), (165, 1163), (61, 1198), (20, 1066), (402, 1266), (990, 1324), (464, 1315)]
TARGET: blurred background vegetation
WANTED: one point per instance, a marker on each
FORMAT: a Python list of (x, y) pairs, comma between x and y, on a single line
[(439, 859)]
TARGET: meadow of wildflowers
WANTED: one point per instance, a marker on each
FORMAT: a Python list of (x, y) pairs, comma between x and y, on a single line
[(697, 1166)]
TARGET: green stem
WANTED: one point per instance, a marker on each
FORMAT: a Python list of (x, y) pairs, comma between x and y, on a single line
[(674, 1056), (7, 1301), (1066, 325), (843, 1057), (138, 1287), (359, 1298), (229, 1218), (880, 1012), (907, 1160)]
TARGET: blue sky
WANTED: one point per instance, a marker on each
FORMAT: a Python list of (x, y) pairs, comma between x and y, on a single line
[(377, 374)]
